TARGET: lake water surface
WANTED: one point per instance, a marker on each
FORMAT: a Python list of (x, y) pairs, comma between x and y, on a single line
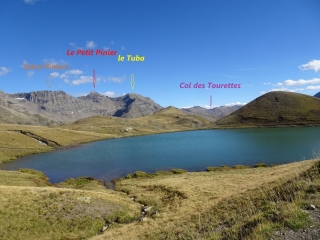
[(191, 150)]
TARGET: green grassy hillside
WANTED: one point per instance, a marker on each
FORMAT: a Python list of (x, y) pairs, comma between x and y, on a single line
[(275, 109)]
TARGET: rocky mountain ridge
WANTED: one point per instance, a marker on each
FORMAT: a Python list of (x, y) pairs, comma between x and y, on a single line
[(48, 107), (60, 107)]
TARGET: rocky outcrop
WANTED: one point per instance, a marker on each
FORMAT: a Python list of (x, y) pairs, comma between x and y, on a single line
[(60, 107), (136, 105)]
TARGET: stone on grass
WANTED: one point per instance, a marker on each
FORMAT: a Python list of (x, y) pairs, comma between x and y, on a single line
[(147, 209), (85, 199), (312, 207), (104, 228)]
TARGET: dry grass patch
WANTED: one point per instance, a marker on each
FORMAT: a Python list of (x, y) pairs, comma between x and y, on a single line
[(31, 208), (183, 200), (69, 137), (15, 144), (22, 178), (210, 187), (9, 139), (60, 135), (53, 213)]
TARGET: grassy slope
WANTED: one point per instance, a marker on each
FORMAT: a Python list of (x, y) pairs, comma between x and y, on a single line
[(187, 200), (32, 209), (165, 120), (276, 108), (17, 178), (14, 144)]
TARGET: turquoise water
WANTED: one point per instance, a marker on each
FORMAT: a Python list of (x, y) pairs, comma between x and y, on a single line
[(192, 150)]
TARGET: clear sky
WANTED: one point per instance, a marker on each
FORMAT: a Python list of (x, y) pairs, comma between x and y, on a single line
[(261, 45)]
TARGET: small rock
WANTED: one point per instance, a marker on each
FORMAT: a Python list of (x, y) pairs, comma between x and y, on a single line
[(144, 219), (132, 198), (312, 207), (128, 129), (147, 209), (104, 228), (84, 199)]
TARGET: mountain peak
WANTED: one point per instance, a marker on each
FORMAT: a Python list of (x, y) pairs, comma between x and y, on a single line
[(61, 107), (94, 93)]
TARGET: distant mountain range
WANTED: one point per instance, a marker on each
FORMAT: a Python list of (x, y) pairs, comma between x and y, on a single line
[(46, 107), (211, 114), (55, 107), (50, 107), (274, 109)]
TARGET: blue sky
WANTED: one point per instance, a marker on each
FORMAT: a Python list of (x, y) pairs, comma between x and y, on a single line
[(262, 45)]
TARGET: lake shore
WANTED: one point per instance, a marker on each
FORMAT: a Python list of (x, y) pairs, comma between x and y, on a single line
[(82, 137), (60, 134), (162, 152)]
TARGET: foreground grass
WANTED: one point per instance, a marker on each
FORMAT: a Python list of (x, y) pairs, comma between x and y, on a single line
[(234, 204), (31, 209), (226, 203)]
